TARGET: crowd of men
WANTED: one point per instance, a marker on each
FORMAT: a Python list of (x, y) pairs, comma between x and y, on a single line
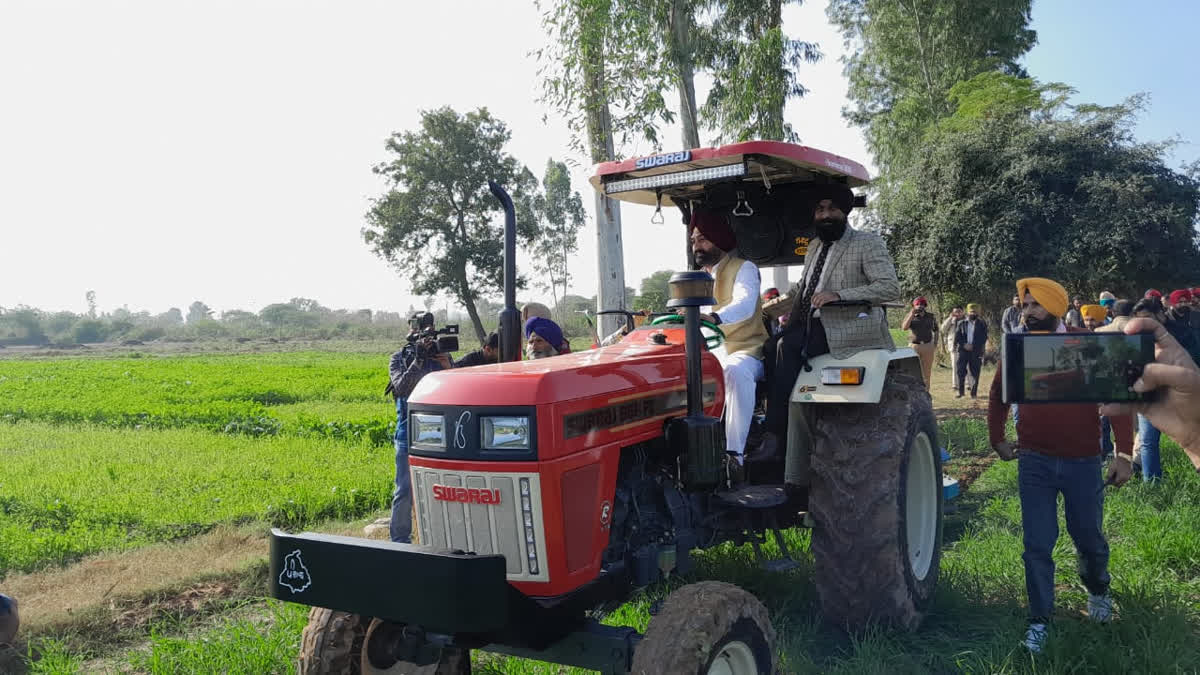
[(1056, 445)]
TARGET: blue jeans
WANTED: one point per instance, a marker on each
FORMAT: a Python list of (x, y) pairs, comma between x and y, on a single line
[(402, 503), (1148, 440), (1106, 444), (1040, 479)]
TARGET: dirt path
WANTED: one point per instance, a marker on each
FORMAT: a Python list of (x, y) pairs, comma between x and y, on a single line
[(105, 604)]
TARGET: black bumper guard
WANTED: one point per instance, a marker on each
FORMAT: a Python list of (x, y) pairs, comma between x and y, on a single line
[(461, 595)]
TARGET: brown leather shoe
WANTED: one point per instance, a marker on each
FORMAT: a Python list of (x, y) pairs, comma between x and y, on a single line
[(767, 451)]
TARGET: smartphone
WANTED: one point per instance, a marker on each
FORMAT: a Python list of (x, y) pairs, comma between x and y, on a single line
[(1074, 367)]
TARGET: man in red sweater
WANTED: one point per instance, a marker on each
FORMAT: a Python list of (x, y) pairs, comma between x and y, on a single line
[(1056, 452)]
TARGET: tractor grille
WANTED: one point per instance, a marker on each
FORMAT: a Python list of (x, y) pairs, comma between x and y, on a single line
[(508, 527)]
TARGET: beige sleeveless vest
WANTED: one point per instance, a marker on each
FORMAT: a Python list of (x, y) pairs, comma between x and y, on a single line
[(740, 336)]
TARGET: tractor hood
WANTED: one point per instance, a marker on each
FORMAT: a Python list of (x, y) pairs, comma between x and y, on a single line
[(634, 365)]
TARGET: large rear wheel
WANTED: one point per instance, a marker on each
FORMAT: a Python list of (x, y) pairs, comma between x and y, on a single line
[(876, 500), (708, 628)]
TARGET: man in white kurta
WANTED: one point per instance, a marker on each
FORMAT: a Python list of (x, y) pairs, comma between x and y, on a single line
[(738, 312)]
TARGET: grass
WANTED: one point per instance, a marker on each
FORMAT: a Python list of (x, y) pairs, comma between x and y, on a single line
[(240, 646), (301, 393), (68, 492)]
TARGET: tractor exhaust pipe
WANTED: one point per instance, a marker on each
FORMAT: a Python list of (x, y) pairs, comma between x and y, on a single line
[(510, 316), (698, 440)]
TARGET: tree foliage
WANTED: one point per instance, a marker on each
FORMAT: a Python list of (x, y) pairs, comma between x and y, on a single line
[(560, 217), (603, 70), (908, 54), (654, 292), (437, 223), (198, 311), (753, 66), (1064, 194)]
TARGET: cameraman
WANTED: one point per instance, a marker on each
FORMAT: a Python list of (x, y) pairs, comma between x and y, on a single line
[(417, 358)]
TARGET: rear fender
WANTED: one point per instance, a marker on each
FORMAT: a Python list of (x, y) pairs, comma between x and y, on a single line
[(808, 387)]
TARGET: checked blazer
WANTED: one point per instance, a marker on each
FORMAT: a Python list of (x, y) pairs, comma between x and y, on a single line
[(858, 267)]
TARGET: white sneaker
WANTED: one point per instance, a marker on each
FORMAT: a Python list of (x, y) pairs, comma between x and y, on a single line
[(1100, 608), (1035, 637)]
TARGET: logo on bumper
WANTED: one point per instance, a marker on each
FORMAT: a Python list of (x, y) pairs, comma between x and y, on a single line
[(448, 493), (295, 576)]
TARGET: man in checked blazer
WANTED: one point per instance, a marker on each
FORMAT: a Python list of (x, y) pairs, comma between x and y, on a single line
[(844, 264)]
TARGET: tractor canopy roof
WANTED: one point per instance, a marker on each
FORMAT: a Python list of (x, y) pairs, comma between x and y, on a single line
[(688, 174), (766, 191)]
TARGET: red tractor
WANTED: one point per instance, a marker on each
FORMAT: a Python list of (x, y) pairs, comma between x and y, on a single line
[(545, 489)]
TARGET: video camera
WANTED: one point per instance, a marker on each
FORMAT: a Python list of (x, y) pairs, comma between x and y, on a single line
[(429, 341)]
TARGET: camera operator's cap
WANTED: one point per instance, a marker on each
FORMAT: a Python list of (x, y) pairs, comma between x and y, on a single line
[(1181, 295), (919, 301), (1094, 312), (1048, 292)]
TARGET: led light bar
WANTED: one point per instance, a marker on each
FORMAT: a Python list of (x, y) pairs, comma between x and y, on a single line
[(705, 175)]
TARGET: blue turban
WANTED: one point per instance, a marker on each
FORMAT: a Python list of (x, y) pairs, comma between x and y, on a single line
[(546, 329)]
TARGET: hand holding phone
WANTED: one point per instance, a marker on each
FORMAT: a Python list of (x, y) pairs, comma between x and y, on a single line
[(1076, 367)]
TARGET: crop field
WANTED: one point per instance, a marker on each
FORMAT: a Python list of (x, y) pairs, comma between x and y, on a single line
[(118, 454)]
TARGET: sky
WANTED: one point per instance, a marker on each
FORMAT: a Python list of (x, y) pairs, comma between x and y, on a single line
[(160, 152)]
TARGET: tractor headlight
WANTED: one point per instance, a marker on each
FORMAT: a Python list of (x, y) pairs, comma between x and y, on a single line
[(427, 429), (505, 433)]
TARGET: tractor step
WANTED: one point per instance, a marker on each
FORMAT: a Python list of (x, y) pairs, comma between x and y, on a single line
[(755, 496), (780, 565)]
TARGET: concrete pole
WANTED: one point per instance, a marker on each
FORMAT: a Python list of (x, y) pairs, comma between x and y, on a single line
[(610, 262)]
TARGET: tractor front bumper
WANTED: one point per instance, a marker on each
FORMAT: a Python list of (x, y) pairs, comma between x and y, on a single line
[(443, 592)]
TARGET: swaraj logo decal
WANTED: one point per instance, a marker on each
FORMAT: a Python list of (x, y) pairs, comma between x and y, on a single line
[(663, 160), (295, 575), (449, 493)]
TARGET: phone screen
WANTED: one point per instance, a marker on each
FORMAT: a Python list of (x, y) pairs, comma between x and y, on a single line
[(1074, 367)]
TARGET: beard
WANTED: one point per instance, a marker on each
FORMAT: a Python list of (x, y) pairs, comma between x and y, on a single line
[(829, 229), (533, 354), (704, 258), (1034, 325)]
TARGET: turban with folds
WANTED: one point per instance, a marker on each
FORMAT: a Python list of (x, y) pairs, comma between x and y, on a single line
[(715, 228), (546, 329), (1181, 295), (973, 307), (839, 193), (1094, 312), (1049, 294)]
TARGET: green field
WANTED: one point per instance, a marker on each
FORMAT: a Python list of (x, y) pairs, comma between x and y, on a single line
[(338, 395), (113, 454)]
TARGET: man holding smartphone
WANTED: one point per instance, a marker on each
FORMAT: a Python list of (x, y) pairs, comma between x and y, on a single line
[(1057, 453)]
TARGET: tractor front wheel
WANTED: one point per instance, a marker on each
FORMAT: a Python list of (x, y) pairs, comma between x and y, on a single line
[(378, 658), (876, 500), (331, 643), (708, 628)]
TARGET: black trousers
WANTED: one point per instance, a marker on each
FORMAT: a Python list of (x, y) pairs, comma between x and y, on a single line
[(782, 365), (972, 360)]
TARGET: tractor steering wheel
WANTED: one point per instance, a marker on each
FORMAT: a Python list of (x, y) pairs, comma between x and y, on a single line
[(711, 341)]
